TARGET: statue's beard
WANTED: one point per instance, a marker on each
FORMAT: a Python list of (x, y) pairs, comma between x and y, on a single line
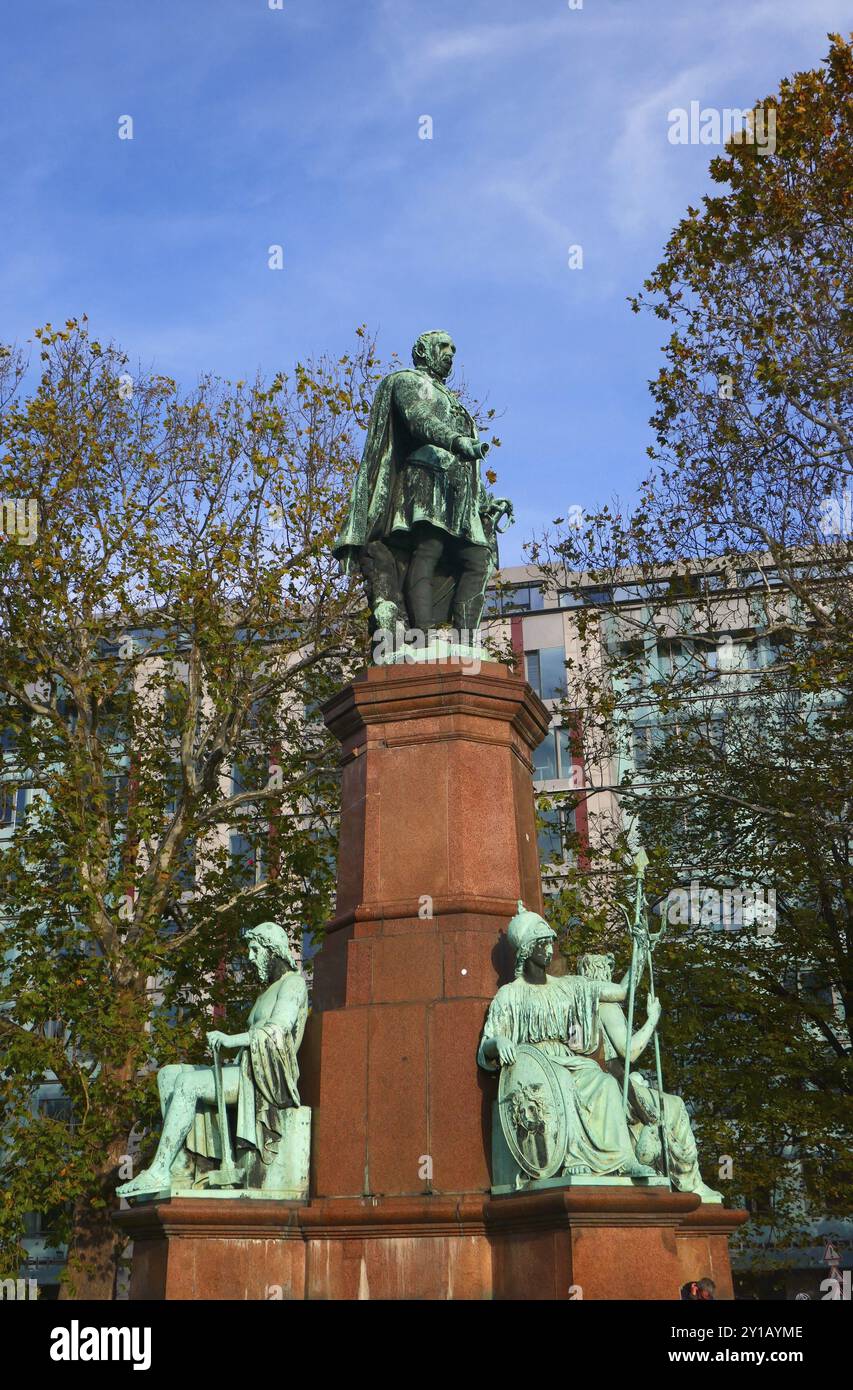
[(436, 367)]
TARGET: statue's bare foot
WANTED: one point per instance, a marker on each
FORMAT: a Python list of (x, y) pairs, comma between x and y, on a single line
[(637, 1170), (149, 1183), (708, 1194)]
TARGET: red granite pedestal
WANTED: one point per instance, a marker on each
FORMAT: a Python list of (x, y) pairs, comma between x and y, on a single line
[(437, 844)]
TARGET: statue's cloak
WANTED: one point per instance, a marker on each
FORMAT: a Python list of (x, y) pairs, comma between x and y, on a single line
[(410, 472), (268, 1085), (369, 514)]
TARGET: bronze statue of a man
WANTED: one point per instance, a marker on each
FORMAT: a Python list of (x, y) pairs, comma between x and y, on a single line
[(262, 1082), (421, 526)]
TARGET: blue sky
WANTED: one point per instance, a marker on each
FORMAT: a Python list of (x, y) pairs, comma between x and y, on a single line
[(300, 127)]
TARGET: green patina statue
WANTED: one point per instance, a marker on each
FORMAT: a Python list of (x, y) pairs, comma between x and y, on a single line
[(262, 1148), (667, 1145), (570, 1108), (560, 1112), (421, 527)]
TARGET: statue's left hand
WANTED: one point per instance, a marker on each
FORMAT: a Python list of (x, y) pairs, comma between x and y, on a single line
[(500, 507), (216, 1039)]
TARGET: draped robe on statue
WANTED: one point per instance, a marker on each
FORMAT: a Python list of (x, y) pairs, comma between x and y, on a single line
[(267, 1084), (644, 1110), (548, 1016)]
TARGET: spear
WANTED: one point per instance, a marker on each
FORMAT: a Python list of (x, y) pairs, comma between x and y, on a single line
[(640, 933), (641, 859), (664, 1145)]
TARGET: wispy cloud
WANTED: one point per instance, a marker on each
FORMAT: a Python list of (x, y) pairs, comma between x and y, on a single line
[(301, 127)]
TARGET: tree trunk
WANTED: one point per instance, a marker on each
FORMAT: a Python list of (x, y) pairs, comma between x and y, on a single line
[(95, 1245)]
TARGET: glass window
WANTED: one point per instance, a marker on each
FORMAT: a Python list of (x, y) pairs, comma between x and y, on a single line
[(521, 598), (247, 860), (682, 662), (546, 672), (754, 653), (8, 799), (242, 857), (646, 738), (492, 604), (564, 741), (56, 1108), (545, 767), (558, 823), (550, 834), (531, 670), (552, 667)]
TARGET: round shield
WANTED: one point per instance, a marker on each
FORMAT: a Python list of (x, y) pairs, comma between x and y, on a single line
[(533, 1113)]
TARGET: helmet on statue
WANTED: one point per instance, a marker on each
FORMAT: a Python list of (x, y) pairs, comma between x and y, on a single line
[(525, 928)]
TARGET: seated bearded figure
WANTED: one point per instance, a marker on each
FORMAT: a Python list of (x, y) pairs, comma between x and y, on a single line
[(644, 1101)]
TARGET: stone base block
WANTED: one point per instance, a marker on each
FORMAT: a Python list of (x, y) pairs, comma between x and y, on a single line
[(287, 1175), (589, 1243), (703, 1245), (199, 1248), (559, 1244)]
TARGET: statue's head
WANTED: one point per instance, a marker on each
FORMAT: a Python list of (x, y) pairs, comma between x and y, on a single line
[(434, 351), (269, 950), (596, 967), (530, 936)]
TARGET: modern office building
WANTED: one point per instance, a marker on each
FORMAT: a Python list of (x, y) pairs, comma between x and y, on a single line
[(578, 785)]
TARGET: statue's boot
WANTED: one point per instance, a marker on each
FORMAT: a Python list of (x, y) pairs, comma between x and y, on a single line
[(466, 619), (700, 1188), (148, 1183), (419, 600), (420, 575), (476, 564)]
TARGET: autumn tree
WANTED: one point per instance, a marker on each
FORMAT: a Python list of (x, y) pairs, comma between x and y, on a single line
[(712, 678), (166, 638)]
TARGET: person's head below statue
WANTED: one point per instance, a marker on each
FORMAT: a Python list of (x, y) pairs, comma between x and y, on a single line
[(433, 352), (699, 1290), (524, 931), (271, 941)]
